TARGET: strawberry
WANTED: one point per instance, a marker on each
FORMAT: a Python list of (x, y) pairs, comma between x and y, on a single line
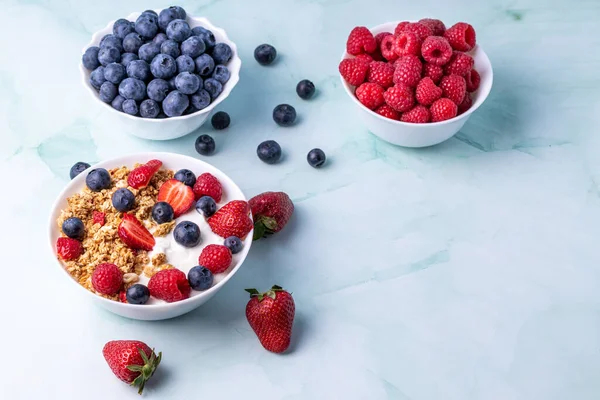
[(215, 257), (140, 177), (131, 361), (271, 211), (208, 185), (169, 285), (107, 279), (68, 249), (232, 220), (134, 234), (271, 317), (178, 195), (99, 217)]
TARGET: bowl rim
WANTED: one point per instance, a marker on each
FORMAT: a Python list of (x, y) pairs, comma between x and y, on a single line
[(234, 78), (110, 163), (466, 114)]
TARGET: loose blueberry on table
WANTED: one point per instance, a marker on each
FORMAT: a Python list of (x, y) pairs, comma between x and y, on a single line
[(205, 145), (220, 120), (305, 89), (284, 115), (316, 158), (265, 54), (269, 151)]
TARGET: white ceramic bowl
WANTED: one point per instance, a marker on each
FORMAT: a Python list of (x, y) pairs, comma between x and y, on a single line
[(167, 128), (422, 135), (161, 310)]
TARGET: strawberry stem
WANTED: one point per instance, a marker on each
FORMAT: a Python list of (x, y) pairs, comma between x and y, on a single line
[(146, 370), (270, 293), (263, 227)]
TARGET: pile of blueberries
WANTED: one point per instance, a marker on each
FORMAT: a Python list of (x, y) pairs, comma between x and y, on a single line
[(158, 66)]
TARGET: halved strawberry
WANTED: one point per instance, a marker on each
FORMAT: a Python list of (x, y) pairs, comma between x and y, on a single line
[(178, 195), (134, 234), (140, 177)]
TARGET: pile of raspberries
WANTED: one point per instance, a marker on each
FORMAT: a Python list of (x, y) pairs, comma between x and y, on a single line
[(420, 73)]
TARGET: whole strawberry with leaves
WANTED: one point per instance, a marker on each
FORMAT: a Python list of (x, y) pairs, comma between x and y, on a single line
[(271, 211), (131, 361), (271, 316)]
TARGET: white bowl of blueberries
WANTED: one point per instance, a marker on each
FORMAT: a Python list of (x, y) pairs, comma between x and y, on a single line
[(160, 72)]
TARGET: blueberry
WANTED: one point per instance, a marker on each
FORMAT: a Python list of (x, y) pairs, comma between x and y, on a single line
[(187, 234), (132, 42), (108, 55), (205, 145), (97, 179), (185, 64), (171, 48), (73, 228), (132, 88), (205, 65), (269, 151), (162, 212), (78, 168), (117, 102), (149, 108), (114, 72), (200, 278), (222, 53), (163, 66), (284, 115), (175, 103), (126, 58), (178, 30), (316, 158), (148, 51), (130, 107), (108, 92), (305, 89), (139, 69), (112, 41), (179, 12), (160, 38), (187, 83), (151, 13), (213, 87), (265, 54), (186, 176), (166, 16), (137, 294), (123, 200), (221, 74), (206, 206), (171, 83), (190, 110), (200, 99), (207, 36), (162, 115), (122, 28), (158, 89), (220, 120), (146, 26), (97, 77), (90, 58), (234, 244), (193, 46)]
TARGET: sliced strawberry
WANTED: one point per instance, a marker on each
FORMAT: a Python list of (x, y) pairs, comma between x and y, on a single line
[(99, 217), (140, 177), (134, 234), (178, 195), (154, 164)]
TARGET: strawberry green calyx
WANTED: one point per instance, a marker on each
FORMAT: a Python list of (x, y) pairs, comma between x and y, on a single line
[(270, 293), (263, 227), (146, 371)]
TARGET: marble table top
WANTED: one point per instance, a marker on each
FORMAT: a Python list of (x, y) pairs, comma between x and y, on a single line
[(469, 270)]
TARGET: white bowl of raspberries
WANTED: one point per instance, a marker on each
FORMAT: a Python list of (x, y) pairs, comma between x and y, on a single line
[(417, 83), (160, 72)]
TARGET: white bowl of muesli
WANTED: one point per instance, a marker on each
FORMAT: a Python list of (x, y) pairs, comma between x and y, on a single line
[(140, 242)]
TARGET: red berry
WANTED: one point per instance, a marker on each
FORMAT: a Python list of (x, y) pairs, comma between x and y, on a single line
[(436, 50), (400, 27), (473, 79), (271, 211), (361, 40), (232, 220), (443, 109), (68, 249), (437, 27), (215, 257), (379, 37), (123, 296), (134, 234), (140, 177), (364, 57), (387, 48), (407, 43), (435, 72), (460, 64), (169, 285), (408, 71), (422, 31), (461, 36), (370, 95), (454, 87), (418, 115), (381, 73), (400, 97), (388, 112), (99, 218), (107, 279), (179, 196), (427, 92), (131, 361), (207, 185), (354, 71), (466, 104)]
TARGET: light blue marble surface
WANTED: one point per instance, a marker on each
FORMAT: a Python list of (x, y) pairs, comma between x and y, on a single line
[(469, 270)]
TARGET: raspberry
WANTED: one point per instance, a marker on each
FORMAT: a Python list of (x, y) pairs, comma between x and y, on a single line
[(360, 40), (454, 87), (169, 285), (408, 71), (399, 97), (388, 112), (381, 73), (460, 64), (435, 72), (354, 71), (364, 57), (370, 95), (461, 36), (99, 218), (427, 92), (422, 31), (418, 115), (436, 50), (208, 185), (407, 43), (473, 79), (387, 48), (107, 279), (442, 109), (68, 249), (466, 104), (400, 27), (215, 257), (123, 296), (379, 37), (437, 27)]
